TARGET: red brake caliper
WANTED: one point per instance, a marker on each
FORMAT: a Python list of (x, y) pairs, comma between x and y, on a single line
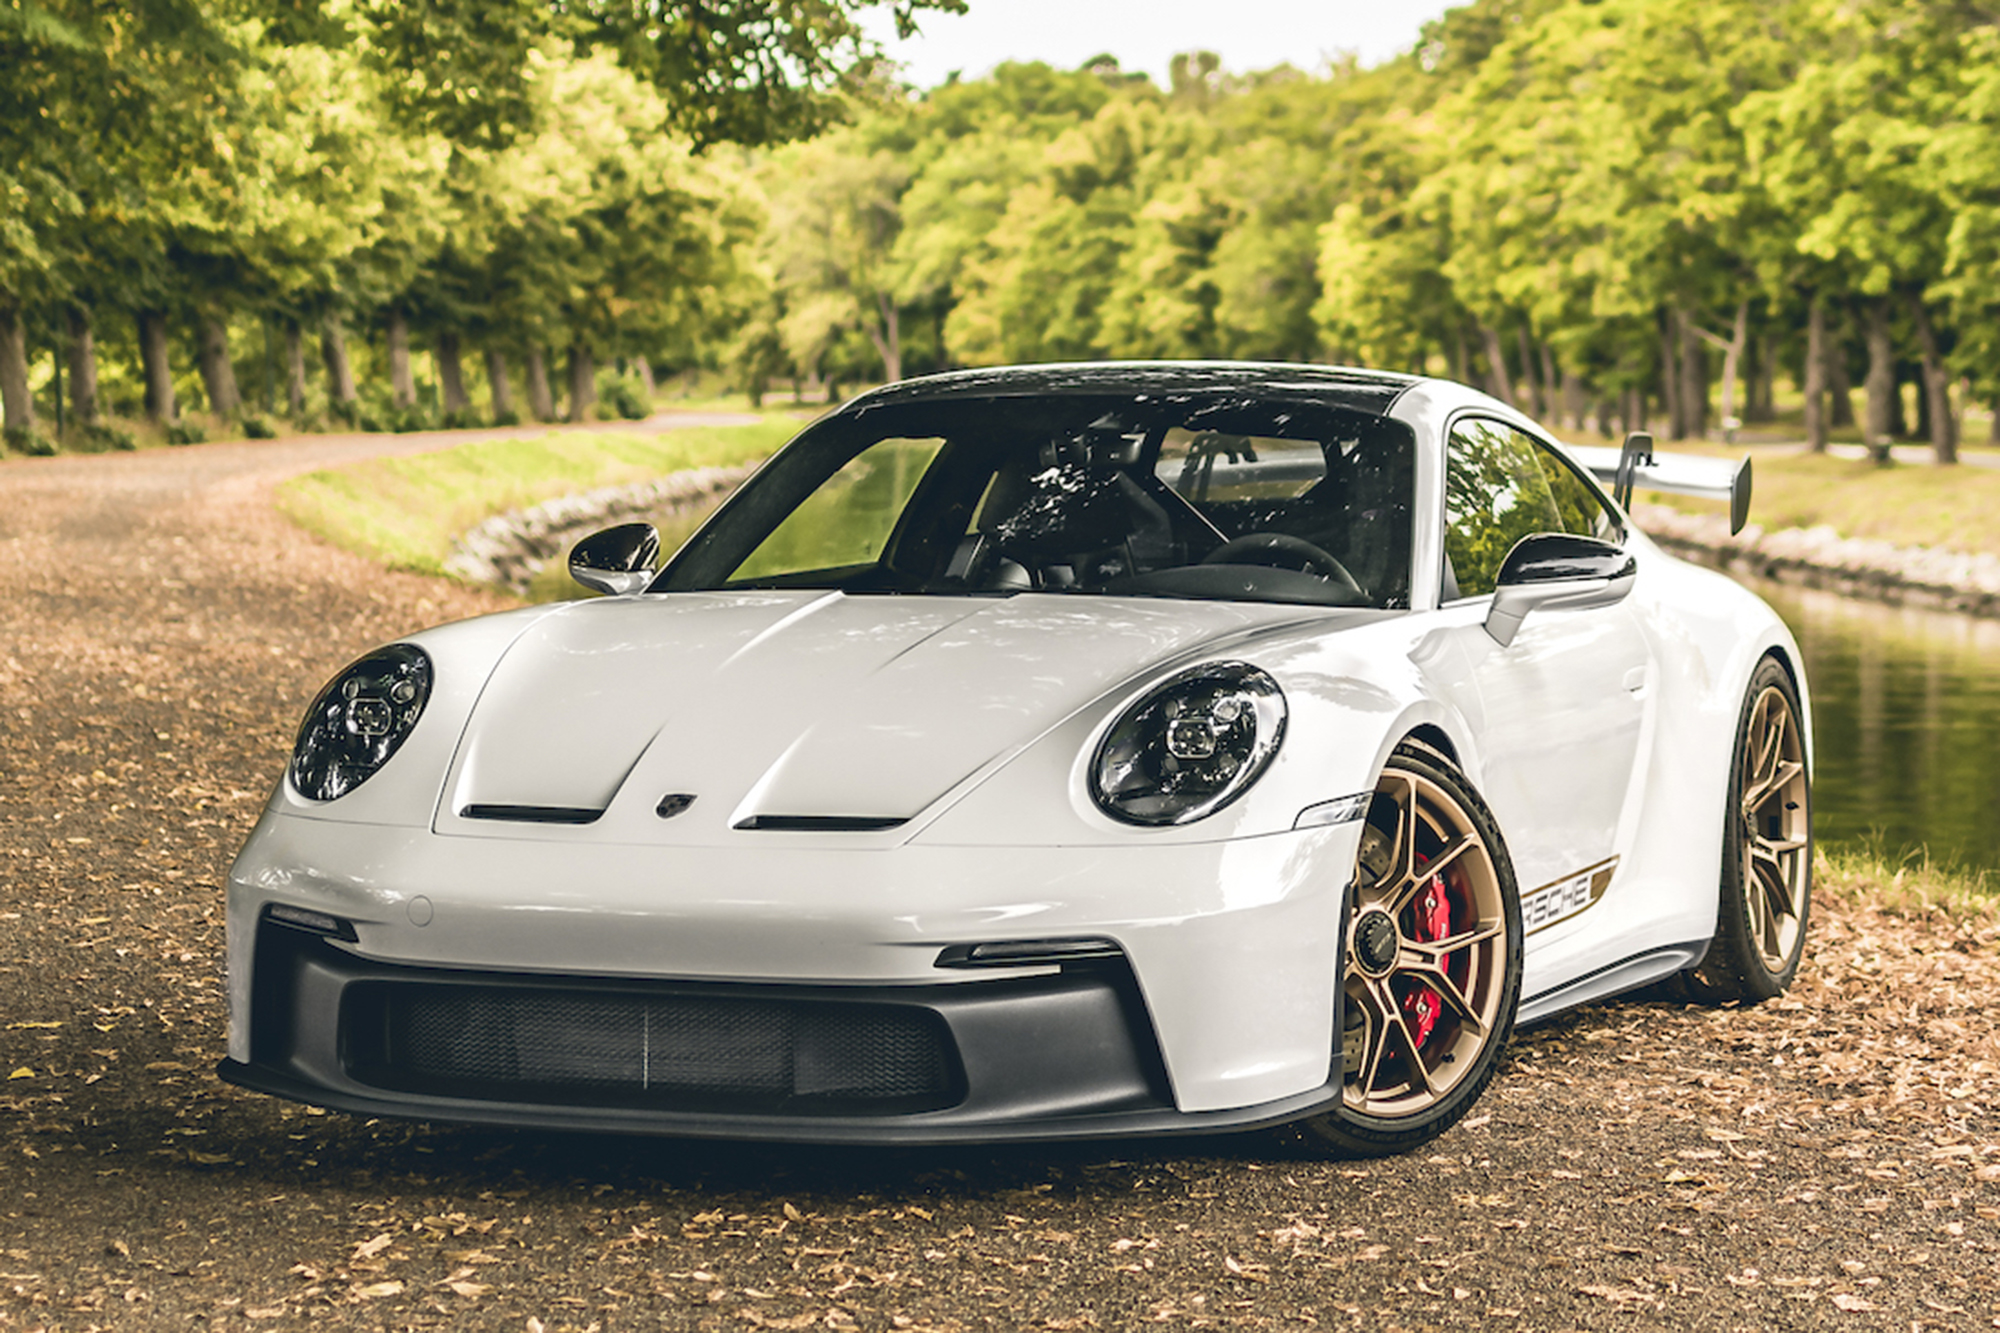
[(1422, 1006)]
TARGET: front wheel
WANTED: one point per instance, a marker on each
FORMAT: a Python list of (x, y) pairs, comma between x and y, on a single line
[(1766, 889), (1432, 964)]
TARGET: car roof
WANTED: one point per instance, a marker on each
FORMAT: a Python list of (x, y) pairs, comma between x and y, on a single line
[(1370, 391)]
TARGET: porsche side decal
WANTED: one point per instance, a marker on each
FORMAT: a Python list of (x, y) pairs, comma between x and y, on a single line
[(1543, 907)]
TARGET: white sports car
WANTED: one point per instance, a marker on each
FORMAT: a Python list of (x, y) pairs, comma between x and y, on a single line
[(1048, 752)]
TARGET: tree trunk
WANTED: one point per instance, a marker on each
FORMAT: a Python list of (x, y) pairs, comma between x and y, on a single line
[(1499, 382), (1815, 376), (651, 386), (339, 370), (1937, 385), (82, 367), (1732, 360), (496, 383), (1461, 361), (295, 370), (1537, 391), (541, 402), (1993, 428), (158, 374), (582, 381), (1764, 398), (218, 376), (451, 375), (1694, 378), (19, 404), (1670, 375), (1575, 399), (1635, 410), (402, 388), (1883, 409), (888, 338), (1839, 385)]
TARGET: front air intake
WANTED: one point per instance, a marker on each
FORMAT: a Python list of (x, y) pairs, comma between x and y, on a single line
[(821, 823), (532, 814), (662, 1051)]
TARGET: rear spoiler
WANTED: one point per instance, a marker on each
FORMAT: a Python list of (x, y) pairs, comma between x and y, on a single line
[(1637, 466)]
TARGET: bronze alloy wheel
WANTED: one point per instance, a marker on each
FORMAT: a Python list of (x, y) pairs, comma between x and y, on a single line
[(1432, 964), (1774, 842), (1766, 887)]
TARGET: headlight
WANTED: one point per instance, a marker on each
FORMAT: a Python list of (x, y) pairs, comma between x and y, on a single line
[(1190, 747), (358, 721)]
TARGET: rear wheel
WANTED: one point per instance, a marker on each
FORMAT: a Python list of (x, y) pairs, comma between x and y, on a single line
[(1766, 889), (1432, 963)]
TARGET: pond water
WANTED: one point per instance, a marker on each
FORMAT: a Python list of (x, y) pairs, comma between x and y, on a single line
[(1906, 716), (1906, 711)]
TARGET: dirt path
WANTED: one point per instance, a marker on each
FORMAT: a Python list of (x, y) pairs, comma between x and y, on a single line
[(1829, 1161)]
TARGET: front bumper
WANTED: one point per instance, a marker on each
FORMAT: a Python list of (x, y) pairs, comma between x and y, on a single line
[(1067, 1054), (1231, 947)]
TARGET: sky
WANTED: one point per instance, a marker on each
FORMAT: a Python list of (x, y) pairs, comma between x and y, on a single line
[(1145, 34)]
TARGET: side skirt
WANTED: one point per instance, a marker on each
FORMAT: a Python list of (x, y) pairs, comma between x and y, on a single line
[(1626, 974)]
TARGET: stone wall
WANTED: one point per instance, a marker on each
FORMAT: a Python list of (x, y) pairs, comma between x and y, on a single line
[(510, 549), (1822, 558)]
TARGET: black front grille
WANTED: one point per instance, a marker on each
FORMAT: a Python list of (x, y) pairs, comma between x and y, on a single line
[(667, 1051)]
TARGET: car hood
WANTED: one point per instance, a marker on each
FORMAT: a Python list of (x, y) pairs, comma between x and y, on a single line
[(801, 705)]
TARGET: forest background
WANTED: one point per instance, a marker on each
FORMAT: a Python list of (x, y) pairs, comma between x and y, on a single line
[(1612, 213)]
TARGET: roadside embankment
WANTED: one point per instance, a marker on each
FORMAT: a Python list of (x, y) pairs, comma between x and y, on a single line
[(412, 512), (509, 549), (1820, 557)]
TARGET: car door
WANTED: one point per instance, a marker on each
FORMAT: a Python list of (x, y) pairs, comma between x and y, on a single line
[(1563, 708)]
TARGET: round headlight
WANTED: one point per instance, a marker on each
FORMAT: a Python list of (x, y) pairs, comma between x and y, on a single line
[(358, 721), (1190, 746)]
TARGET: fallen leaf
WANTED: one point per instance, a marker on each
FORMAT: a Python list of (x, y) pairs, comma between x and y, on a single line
[(1854, 1304), (368, 1249), (377, 1290)]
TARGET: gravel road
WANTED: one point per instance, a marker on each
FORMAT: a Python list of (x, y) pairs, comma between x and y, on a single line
[(1831, 1160)]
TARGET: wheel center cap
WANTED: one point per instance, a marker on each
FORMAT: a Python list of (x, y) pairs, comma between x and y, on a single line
[(1375, 943)]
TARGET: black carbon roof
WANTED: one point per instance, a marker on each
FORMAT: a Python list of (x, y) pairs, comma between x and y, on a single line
[(1370, 391)]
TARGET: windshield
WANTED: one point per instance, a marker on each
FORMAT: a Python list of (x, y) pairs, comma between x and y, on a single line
[(1216, 495)]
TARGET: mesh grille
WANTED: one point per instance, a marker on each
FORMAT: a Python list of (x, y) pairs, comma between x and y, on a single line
[(661, 1051)]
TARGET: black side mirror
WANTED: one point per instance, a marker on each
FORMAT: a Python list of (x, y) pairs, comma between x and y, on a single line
[(1557, 569), (617, 560)]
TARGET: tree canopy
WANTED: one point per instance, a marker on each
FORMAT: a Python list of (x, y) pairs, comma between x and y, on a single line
[(1627, 211)]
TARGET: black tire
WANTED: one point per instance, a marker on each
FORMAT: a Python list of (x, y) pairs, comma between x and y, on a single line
[(1409, 1076), (1766, 883)]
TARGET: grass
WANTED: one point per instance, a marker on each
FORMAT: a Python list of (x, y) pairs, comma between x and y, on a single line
[(1912, 885), (406, 512)]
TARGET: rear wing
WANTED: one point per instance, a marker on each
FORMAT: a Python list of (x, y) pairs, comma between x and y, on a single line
[(1636, 466)]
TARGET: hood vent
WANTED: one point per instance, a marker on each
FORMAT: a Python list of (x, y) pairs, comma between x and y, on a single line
[(532, 814), (821, 823)]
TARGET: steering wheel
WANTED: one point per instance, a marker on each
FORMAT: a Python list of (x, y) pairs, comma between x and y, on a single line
[(1281, 551)]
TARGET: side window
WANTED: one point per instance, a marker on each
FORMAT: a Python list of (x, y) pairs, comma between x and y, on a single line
[(1500, 486), (1494, 495), (1583, 514)]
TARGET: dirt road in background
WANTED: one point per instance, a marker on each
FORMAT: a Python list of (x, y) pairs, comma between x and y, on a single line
[(1832, 1160)]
